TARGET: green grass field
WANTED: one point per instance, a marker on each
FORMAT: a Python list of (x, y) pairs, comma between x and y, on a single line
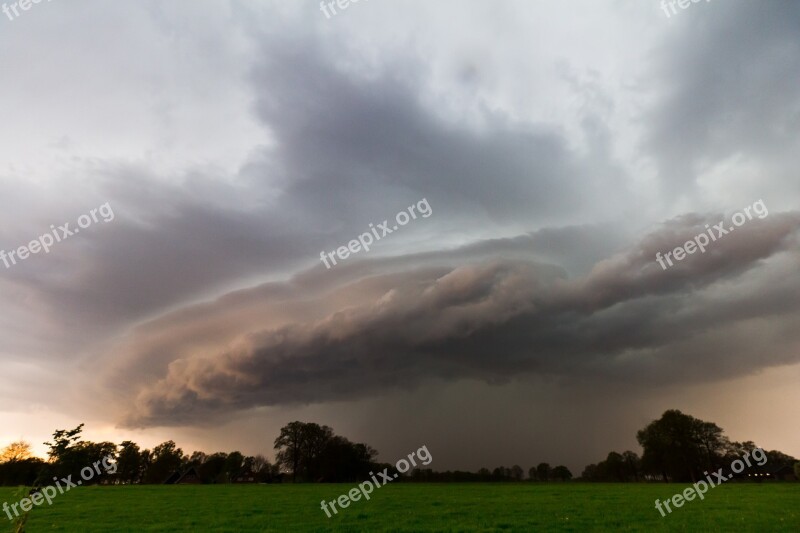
[(417, 507)]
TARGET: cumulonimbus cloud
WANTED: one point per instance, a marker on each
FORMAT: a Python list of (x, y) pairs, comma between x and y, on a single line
[(627, 318)]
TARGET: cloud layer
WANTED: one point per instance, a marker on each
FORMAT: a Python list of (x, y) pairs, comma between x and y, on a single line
[(626, 319)]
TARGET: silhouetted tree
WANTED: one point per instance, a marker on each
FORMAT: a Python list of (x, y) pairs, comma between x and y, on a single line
[(166, 459), (69, 454), (316, 440), (501, 473), (146, 458), (680, 447), (633, 466), (87, 453), (613, 468), (233, 465), (197, 459), (63, 439), (22, 471), (543, 471), (616, 467), (562, 473), (313, 453), (290, 445), (265, 471), (129, 463), (591, 473), (776, 460), (212, 470), (343, 460), (63, 461)]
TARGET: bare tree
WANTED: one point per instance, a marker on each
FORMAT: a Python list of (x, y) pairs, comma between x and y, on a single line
[(16, 451)]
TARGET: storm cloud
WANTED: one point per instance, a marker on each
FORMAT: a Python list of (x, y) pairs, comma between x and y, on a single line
[(236, 140), (626, 319)]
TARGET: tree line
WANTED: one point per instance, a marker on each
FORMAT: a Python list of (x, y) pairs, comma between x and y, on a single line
[(304, 452), (676, 447), (680, 448)]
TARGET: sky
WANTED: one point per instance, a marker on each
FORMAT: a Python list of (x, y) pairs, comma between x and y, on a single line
[(524, 312)]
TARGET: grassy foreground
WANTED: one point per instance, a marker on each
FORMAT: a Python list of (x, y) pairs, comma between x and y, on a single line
[(416, 507)]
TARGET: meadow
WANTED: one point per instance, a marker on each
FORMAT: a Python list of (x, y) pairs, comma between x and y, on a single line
[(416, 507)]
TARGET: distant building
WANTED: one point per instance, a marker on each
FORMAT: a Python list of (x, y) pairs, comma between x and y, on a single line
[(245, 476), (187, 477)]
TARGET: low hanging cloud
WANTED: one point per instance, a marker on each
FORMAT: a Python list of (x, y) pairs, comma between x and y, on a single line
[(388, 326)]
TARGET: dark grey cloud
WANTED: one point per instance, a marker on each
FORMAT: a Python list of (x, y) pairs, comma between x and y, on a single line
[(626, 319), (351, 148), (352, 139), (728, 77)]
